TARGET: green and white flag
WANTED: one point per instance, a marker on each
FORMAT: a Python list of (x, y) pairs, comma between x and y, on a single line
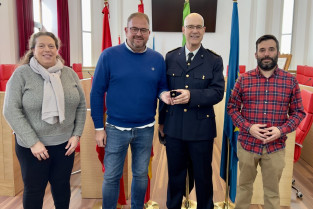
[(186, 12)]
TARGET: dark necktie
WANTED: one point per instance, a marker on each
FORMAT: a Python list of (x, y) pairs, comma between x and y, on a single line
[(190, 55)]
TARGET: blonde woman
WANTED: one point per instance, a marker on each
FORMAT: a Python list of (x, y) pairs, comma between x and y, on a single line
[(45, 107)]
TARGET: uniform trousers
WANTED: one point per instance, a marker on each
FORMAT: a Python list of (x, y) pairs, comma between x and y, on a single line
[(178, 154)]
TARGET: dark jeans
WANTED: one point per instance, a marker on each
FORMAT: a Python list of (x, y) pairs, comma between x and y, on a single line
[(36, 174)]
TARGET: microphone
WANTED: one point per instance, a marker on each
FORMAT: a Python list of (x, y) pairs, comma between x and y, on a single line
[(307, 81)]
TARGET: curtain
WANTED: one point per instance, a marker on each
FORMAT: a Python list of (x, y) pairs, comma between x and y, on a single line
[(63, 30), (25, 23)]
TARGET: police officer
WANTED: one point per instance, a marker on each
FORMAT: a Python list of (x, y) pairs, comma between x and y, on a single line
[(195, 76)]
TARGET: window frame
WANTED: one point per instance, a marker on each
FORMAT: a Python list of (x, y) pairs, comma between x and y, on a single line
[(283, 47), (86, 32)]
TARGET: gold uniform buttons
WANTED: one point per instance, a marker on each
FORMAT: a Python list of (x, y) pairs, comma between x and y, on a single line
[(185, 110), (186, 86), (207, 116), (187, 76)]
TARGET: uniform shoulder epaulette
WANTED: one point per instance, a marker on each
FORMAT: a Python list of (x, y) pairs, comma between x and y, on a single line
[(213, 52), (174, 49)]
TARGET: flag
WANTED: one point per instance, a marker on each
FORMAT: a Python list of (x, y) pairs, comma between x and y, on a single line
[(121, 197), (147, 196), (119, 39), (140, 7), (186, 12), (153, 44), (230, 132), (106, 34), (106, 43)]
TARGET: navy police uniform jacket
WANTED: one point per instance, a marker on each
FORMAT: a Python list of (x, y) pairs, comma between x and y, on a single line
[(205, 81)]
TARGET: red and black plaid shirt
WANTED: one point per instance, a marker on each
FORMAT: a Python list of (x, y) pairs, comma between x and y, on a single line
[(275, 101)]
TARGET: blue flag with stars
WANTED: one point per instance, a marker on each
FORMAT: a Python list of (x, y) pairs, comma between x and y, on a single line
[(229, 132)]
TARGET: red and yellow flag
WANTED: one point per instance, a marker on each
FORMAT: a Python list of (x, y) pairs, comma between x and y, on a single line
[(141, 7), (106, 43), (106, 33)]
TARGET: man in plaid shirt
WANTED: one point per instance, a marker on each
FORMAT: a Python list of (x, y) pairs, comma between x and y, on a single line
[(265, 105)]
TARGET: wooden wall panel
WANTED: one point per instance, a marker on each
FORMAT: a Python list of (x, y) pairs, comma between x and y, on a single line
[(91, 169), (10, 173), (86, 85)]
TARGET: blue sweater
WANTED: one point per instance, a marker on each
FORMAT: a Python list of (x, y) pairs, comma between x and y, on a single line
[(132, 81)]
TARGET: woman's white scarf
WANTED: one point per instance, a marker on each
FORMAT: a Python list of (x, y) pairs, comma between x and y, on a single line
[(53, 95)]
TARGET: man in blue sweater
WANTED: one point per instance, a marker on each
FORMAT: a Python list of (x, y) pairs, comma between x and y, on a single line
[(133, 77)]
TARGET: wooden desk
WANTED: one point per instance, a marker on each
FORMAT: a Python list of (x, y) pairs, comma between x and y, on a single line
[(10, 172)]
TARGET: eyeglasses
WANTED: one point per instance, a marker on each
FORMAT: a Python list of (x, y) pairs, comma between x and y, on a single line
[(191, 27), (134, 30)]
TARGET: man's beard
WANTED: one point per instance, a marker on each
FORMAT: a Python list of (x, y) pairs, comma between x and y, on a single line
[(143, 44), (268, 66)]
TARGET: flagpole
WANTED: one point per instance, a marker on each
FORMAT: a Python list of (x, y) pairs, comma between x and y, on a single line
[(226, 204), (229, 131), (151, 205), (187, 203), (98, 205), (227, 171), (106, 43)]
